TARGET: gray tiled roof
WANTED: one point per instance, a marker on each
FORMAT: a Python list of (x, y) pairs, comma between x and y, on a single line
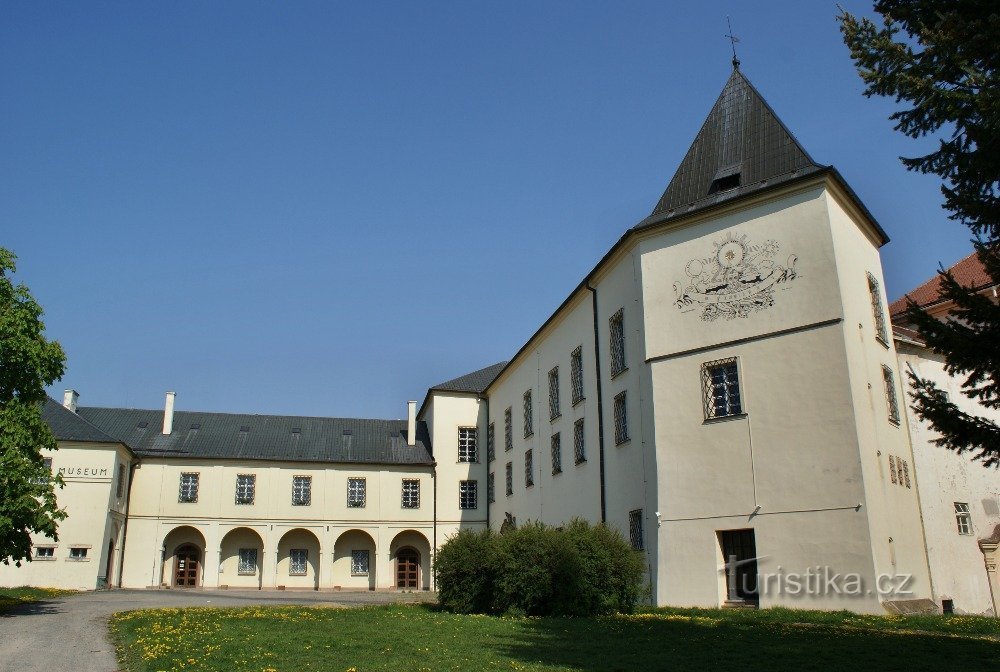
[(263, 437), (68, 426), (474, 382)]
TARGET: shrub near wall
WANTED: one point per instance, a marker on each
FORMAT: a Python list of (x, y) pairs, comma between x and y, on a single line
[(539, 570)]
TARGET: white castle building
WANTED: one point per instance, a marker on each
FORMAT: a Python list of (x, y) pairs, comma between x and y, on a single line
[(723, 387)]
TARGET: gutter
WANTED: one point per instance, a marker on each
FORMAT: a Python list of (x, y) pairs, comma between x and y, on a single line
[(433, 557), (600, 404), (128, 504)]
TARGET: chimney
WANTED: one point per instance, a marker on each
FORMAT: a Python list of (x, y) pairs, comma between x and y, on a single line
[(70, 397), (168, 413), (411, 423)]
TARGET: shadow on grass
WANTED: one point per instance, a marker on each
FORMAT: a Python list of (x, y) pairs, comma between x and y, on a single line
[(658, 643)]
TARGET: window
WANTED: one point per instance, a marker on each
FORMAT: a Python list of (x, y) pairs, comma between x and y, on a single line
[(491, 490), (721, 384), (508, 429), (529, 469), (248, 562), (528, 428), (906, 472), (188, 488), (491, 446), (120, 487), (510, 479), (890, 394), (576, 374), (359, 563), (411, 493), (45, 553), (963, 518), (468, 495), (635, 529), (356, 493), (554, 394), (556, 454), (877, 313), (298, 561), (78, 553), (617, 327), (302, 490), (899, 470), (246, 484), (42, 480), (892, 469), (579, 448), (467, 451), (621, 419)]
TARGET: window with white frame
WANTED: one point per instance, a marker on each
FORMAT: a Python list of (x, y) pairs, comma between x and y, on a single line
[(468, 495), (188, 490), (510, 479), (491, 446), (721, 387), (635, 529), (246, 485), (467, 450), (554, 411), (616, 325), (298, 561), (528, 419), (963, 517), (508, 429), (411, 493), (302, 490), (248, 562), (881, 332), (889, 381), (576, 374), (120, 485), (356, 493), (529, 469), (359, 563), (78, 552), (556, 453), (491, 489), (45, 553), (579, 445), (621, 419)]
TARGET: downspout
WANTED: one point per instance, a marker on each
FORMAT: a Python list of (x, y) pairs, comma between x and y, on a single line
[(487, 400), (600, 404), (128, 503), (435, 532)]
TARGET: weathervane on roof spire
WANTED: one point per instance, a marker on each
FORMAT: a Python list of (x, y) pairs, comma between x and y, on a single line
[(733, 39)]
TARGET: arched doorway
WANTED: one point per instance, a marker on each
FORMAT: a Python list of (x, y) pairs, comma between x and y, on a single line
[(187, 566), (407, 568), (189, 542)]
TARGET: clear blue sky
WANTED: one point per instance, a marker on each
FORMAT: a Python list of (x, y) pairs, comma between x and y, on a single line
[(322, 209)]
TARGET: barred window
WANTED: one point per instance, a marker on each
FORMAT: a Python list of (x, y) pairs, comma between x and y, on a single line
[(528, 425), (356, 493), (491, 490), (554, 411), (508, 430), (491, 447), (510, 479), (576, 374), (889, 380), (298, 561), (302, 490), (556, 454), (120, 488), (188, 491), (78, 553), (529, 469), (411, 493), (721, 386), (621, 419), (579, 445), (899, 470), (467, 450), (963, 518), (617, 328), (906, 472), (246, 484), (635, 529), (45, 553), (876, 296), (468, 495), (359, 563), (248, 562), (892, 469)]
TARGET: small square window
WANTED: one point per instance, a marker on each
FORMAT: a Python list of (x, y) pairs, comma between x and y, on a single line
[(188, 491), (78, 553), (529, 469), (556, 454), (721, 385), (246, 486), (359, 563), (468, 495), (411, 493), (963, 517), (248, 562), (45, 553), (298, 562), (467, 449), (356, 493), (301, 490)]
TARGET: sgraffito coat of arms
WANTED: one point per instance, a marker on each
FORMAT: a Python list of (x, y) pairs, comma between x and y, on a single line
[(738, 279)]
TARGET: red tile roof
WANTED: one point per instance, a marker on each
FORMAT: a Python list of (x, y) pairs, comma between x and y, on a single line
[(969, 272)]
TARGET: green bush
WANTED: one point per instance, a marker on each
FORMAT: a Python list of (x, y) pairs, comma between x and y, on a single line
[(538, 570)]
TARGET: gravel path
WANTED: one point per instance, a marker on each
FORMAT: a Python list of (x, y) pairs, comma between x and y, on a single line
[(71, 633)]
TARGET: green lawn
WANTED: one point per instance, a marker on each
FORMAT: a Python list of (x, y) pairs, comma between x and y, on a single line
[(418, 637), (13, 597)]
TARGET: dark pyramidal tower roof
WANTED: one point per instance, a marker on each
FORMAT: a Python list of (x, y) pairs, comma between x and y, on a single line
[(741, 147)]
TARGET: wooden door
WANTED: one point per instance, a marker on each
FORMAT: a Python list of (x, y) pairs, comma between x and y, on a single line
[(407, 568), (187, 561)]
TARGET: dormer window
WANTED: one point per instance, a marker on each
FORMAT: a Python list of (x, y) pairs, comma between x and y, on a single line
[(726, 178)]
